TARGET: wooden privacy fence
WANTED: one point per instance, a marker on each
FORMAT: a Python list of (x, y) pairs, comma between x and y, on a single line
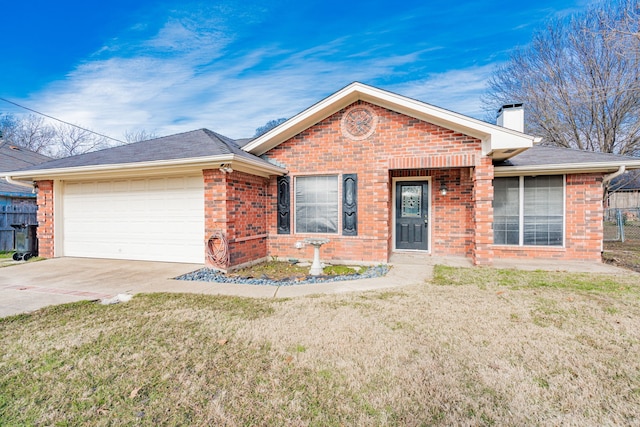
[(20, 214)]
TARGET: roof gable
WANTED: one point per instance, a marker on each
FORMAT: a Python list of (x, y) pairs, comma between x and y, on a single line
[(497, 142)]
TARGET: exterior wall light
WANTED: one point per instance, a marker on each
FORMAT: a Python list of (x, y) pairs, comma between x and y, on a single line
[(443, 188), (226, 168)]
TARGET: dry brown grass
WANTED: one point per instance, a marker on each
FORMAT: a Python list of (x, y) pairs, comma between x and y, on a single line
[(476, 347), (623, 254)]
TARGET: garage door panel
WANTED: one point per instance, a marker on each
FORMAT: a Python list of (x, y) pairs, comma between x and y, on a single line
[(159, 219)]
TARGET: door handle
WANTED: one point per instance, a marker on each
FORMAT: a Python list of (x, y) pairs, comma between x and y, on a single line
[(426, 220)]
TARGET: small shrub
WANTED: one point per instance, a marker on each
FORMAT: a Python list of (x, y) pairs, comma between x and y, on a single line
[(338, 270)]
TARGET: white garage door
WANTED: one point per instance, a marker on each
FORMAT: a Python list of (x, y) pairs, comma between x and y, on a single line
[(153, 219)]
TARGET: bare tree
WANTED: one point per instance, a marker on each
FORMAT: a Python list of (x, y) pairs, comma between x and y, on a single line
[(73, 140), (31, 132), (139, 135), (37, 134), (268, 126), (627, 32), (579, 80)]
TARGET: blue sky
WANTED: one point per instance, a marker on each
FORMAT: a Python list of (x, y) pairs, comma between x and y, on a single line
[(231, 66)]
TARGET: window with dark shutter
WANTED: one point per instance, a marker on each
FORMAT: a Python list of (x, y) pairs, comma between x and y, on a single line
[(284, 205), (350, 204), (317, 204)]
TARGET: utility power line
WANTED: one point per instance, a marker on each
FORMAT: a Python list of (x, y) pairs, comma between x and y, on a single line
[(61, 121)]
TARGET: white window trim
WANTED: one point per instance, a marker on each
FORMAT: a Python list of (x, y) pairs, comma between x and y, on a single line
[(521, 215), (293, 205)]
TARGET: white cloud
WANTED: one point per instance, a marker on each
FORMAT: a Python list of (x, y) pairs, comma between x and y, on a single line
[(456, 90), (188, 76)]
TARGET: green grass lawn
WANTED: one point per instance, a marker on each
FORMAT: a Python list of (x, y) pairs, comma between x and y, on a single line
[(473, 347)]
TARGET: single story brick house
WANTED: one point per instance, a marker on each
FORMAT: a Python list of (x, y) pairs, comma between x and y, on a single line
[(374, 172)]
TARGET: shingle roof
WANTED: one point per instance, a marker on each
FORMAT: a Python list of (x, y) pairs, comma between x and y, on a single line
[(197, 143), (13, 157), (243, 141), (545, 155), (11, 190), (627, 182)]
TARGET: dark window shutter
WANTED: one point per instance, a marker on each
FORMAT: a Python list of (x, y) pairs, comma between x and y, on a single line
[(350, 204), (284, 205)]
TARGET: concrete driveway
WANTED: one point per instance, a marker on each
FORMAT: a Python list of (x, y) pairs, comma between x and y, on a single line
[(29, 286), (26, 287)]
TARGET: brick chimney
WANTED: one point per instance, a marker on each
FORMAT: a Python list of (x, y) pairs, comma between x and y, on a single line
[(511, 116)]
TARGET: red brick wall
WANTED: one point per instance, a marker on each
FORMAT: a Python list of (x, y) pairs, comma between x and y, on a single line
[(400, 142), (483, 203), (246, 217), (583, 225), (451, 223), (45, 219), (235, 204)]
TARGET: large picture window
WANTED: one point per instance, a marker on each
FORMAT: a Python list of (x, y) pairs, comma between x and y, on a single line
[(529, 211), (316, 204)]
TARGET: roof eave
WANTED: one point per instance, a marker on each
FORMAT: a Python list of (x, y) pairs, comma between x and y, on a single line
[(236, 162), (565, 168)]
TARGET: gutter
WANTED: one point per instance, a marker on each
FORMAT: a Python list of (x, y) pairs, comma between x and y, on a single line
[(567, 168), (20, 183), (193, 162), (607, 178)]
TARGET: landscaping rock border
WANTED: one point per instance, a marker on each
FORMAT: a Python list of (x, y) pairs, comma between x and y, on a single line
[(211, 275)]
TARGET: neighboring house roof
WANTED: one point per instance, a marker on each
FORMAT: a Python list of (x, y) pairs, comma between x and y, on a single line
[(243, 141), (13, 157), (544, 159), (10, 190), (626, 182), (497, 142), (201, 146)]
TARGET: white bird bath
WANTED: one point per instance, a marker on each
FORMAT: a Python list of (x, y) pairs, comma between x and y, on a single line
[(316, 267)]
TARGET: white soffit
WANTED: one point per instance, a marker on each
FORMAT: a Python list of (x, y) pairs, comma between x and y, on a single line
[(494, 138)]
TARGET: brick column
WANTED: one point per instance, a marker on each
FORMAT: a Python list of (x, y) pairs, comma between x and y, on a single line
[(584, 211), (45, 219), (215, 207), (483, 211)]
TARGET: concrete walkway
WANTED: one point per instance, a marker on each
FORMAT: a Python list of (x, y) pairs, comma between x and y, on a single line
[(26, 287)]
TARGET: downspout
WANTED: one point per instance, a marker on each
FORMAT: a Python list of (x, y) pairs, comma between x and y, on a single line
[(21, 183), (607, 178)]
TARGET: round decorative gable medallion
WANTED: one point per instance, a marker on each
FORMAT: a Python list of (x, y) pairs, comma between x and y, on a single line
[(358, 123)]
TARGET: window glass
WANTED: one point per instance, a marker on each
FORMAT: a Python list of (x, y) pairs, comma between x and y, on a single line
[(541, 211), (316, 204), (411, 201), (506, 211)]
